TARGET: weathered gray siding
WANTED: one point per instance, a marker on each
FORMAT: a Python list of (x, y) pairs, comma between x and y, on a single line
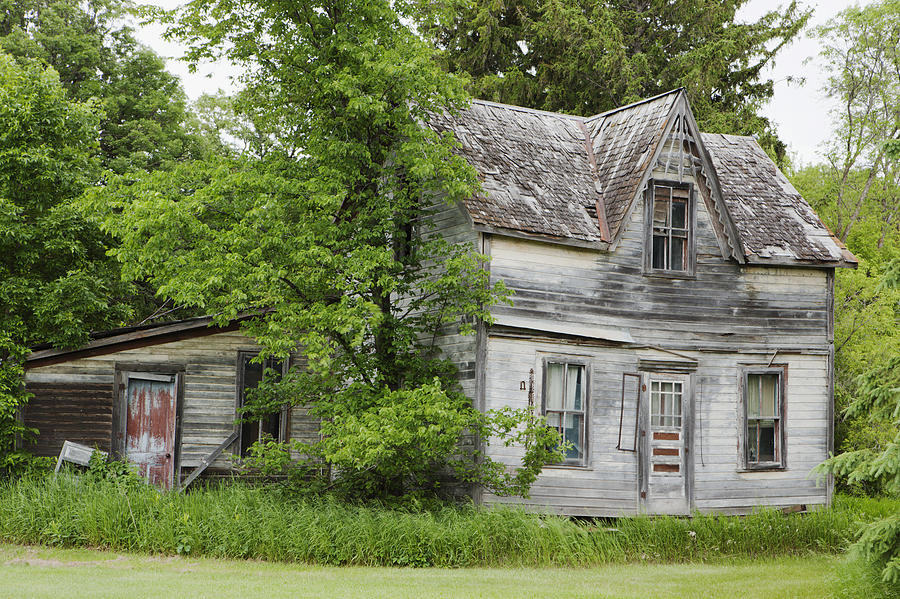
[(454, 226), (724, 317), (208, 410)]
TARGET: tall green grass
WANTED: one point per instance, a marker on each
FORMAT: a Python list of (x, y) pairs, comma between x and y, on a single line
[(237, 521)]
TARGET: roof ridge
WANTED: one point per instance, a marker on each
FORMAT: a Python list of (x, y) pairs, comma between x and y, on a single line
[(574, 117), (633, 104)]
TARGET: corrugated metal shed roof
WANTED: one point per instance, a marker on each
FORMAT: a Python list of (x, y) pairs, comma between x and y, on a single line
[(539, 178)]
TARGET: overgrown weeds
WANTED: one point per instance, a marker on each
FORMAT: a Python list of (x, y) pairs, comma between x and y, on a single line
[(237, 521)]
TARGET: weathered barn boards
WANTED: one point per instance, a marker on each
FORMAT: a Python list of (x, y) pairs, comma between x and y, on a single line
[(672, 305), (164, 396), (672, 319)]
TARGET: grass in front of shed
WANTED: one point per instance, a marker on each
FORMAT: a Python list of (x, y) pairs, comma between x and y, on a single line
[(37, 572), (236, 521)]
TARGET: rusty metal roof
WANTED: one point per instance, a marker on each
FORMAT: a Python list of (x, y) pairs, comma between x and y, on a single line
[(540, 178)]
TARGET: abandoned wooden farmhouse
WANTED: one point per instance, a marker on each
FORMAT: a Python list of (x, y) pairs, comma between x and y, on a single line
[(672, 318)]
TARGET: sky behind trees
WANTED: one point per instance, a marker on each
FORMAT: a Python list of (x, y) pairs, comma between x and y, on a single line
[(800, 110)]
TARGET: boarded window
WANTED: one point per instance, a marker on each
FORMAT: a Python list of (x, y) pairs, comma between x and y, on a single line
[(764, 415), (251, 373), (565, 405), (628, 412), (670, 227)]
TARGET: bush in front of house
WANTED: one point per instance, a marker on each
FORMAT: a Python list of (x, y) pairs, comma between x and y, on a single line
[(238, 521)]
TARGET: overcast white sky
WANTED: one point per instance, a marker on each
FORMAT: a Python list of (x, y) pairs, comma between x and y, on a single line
[(799, 111)]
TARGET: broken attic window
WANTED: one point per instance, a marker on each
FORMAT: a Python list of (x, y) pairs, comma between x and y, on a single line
[(670, 226)]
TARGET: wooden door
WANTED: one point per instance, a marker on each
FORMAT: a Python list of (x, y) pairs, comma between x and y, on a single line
[(150, 426), (665, 459)]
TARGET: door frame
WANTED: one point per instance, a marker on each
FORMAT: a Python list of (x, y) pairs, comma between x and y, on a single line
[(687, 432), (120, 408)]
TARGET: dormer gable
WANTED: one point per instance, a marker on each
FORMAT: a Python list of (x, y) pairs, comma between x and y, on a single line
[(576, 181)]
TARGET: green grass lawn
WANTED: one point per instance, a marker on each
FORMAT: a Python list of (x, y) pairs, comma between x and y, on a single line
[(72, 573)]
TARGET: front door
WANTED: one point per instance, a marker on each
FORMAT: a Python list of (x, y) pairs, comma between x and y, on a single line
[(150, 426), (665, 444)]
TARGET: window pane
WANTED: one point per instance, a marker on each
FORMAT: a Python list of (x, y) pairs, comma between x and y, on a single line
[(769, 399), (753, 384), (677, 253), (679, 214), (553, 420), (659, 252), (752, 450), (661, 207), (573, 432), (574, 388), (767, 441), (555, 386)]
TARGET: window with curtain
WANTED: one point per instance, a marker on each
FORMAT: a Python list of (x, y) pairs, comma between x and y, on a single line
[(565, 405), (764, 418)]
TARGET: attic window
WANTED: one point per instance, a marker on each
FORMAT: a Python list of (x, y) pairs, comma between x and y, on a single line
[(669, 231)]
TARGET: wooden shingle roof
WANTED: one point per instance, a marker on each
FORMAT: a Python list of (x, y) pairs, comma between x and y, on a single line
[(573, 179)]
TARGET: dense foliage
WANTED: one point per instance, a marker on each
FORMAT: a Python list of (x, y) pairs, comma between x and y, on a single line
[(55, 280), (144, 119), (236, 521), (858, 195), (588, 56), (326, 235)]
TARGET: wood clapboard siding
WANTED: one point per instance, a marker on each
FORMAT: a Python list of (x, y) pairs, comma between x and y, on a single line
[(454, 226), (724, 306), (62, 411), (607, 485), (726, 316), (208, 409)]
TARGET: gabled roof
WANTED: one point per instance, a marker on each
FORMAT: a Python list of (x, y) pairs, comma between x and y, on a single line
[(774, 221), (575, 180)]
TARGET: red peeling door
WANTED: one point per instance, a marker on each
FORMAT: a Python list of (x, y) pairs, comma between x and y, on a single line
[(150, 426)]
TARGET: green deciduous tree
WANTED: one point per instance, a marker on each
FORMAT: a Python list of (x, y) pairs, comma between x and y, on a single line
[(587, 56), (862, 53), (325, 232), (55, 279), (144, 121)]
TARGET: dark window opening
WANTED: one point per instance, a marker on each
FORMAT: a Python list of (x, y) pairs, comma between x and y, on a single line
[(250, 375), (670, 226)]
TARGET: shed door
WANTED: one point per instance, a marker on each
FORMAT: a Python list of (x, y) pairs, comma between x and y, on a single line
[(665, 444), (150, 426)]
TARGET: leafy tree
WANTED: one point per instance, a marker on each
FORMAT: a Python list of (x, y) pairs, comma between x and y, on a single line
[(144, 122), (55, 280), (862, 52), (588, 56), (326, 233)]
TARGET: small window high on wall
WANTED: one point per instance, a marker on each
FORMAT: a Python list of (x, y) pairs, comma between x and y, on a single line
[(670, 228), (565, 405), (250, 374), (764, 413)]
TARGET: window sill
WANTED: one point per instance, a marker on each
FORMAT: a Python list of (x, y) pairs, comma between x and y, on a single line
[(567, 467), (667, 274), (772, 468)]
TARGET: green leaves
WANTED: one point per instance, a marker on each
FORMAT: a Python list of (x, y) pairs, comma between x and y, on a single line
[(590, 56)]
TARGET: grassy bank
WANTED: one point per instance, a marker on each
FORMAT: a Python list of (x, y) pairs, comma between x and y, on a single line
[(39, 572), (235, 521)]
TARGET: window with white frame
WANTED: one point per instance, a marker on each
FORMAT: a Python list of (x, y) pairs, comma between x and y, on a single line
[(669, 235), (665, 403), (764, 418), (565, 405)]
